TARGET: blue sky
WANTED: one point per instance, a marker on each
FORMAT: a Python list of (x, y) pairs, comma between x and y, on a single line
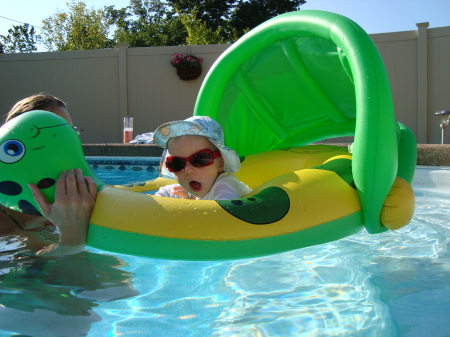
[(375, 16), (383, 16)]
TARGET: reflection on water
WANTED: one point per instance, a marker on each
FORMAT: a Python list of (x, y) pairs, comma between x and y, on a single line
[(56, 296), (318, 290), (390, 284)]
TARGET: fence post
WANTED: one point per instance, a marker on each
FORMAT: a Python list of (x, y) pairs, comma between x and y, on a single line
[(422, 82), (123, 79)]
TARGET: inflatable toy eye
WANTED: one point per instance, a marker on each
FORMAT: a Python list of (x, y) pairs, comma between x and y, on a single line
[(11, 151)]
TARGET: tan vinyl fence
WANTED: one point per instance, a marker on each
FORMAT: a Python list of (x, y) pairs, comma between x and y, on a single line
[(103, 86)]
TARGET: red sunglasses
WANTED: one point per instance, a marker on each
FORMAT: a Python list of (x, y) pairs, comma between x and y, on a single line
[(201, 158)]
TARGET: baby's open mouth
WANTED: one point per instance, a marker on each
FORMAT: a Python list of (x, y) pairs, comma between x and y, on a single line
[(195, 186)]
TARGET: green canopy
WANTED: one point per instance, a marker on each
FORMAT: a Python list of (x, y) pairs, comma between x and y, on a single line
[(308, 76)]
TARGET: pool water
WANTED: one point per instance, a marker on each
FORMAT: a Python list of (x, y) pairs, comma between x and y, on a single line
[(389, 284), (122, 170)]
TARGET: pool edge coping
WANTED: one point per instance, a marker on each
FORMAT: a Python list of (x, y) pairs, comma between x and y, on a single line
[(427, 154)]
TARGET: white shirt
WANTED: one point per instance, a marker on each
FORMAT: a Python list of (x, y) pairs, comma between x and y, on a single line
[(226, 187)]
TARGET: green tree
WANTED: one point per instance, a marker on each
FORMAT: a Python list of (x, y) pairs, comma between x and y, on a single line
[(20, 39), (233, 18), (248, 14), (159, 22), (213, 13), (146, 23), (77, 29), (197, 31)]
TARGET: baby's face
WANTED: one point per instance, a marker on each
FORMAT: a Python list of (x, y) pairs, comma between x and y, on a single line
[(196, 180)]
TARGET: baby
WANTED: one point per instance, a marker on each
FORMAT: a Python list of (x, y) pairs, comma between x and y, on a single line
[(202, 165)]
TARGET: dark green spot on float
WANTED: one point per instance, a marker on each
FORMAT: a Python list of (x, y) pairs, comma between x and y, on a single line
[(268, 206), (11, 188)]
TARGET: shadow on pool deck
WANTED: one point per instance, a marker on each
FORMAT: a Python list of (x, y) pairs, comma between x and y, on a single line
[(427, 154)]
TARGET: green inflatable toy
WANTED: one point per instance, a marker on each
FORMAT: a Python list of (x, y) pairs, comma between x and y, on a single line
[(308, 76), (35, 148)]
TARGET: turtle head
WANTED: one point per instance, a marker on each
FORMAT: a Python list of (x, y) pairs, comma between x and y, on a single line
[(36, 147)]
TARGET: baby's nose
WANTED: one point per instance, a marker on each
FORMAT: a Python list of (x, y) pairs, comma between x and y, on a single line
[(189, 168)]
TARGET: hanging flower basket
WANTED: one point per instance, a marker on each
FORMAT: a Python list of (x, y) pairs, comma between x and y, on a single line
[(188, 67)]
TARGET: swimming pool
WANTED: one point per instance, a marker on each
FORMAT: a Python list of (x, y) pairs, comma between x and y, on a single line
[(389, 284)]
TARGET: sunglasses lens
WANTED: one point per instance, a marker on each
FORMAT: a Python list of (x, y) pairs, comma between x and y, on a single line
[(201, 159), (176, 164)]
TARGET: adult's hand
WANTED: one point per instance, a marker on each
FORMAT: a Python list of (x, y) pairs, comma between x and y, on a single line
[(70, 212)]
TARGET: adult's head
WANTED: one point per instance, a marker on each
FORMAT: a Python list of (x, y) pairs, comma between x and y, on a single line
[(42, 101)]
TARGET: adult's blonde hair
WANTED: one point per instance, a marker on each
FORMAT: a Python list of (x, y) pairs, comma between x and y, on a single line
[(41, 101)]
